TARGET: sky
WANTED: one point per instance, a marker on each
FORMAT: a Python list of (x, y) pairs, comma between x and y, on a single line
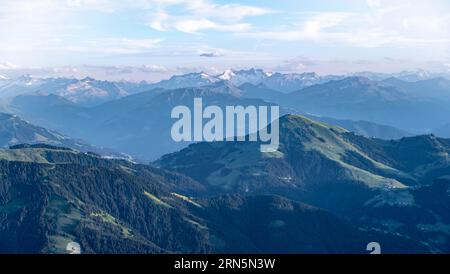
[(153, 39)]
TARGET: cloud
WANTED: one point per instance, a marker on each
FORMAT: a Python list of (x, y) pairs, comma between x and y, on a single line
[(211, 70), (120, 70), (124, 32), (158, 20), (298, 64), (341, 66), (149, 72), (188, 16), (374, 3), (212, 54), (8, 66), (195, 25), (312, 26), (228, 12), (387, 23), (197, 15), (446, 67), (109, 6), (114, 45), (153, 68)]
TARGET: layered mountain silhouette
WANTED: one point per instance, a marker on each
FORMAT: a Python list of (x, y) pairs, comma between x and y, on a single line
[(414, 107), (120, 207), (414, 102), (134, 124), (85, 92), (139, 125), (348, 170), (15, 131), (374, 182)]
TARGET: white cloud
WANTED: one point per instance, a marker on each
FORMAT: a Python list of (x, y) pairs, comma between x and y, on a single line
[(313, 26), (298, 64), (187, 16), (149, 72), (388, 23), (58, 32), (109, 6), (374, 3), (154, 68), (8, 66), (344, 66), (198, 15), (195, 25), (115, 45), (228, 12), (211, 54), (158, 20)]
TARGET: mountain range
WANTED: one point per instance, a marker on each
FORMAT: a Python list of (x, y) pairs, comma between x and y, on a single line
[(85, 92), (90, 92), (365, 128), (120, 207), (284, 82), (354, 166), (398, 187), (387, 109), (417, 107), (338, 189), (407, 76), (129, 124), (412, 102), (16, 131)]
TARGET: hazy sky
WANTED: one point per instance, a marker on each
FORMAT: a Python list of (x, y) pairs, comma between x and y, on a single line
[(151, 39)]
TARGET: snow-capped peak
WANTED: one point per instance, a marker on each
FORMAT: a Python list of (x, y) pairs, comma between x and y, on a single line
[(87, 79), (205, 76), (27, 80), (253, 76), (227, 75)]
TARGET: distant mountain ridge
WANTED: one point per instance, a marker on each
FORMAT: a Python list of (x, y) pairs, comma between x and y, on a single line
[(15, 131), (86, 91), (282, 82), (135, 123), (277, 81), (90, 92), (413, 107), (388, 109), (407, 76)]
